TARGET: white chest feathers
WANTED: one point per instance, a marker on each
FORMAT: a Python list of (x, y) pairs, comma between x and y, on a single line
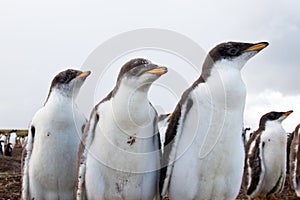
[(57, 131), (123, 160), (225, 87), (210, 139), (274, 138)]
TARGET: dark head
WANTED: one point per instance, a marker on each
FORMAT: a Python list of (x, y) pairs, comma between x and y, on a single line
[(68, 82), (235, 53), (273, 117), (140, 72)]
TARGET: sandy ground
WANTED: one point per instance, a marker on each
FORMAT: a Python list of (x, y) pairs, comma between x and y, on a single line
[(10, 179)]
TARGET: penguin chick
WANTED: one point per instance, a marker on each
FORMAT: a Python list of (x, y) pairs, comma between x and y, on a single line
[(120, 153), (265, 163), (49, 170), (203, 140)]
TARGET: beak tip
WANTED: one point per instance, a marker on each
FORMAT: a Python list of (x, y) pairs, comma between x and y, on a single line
[(84, 74), (165, 69), (288, 113), (266, 44)]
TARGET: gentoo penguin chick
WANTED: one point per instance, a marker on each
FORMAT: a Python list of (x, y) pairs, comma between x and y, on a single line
[(4, 139), (295, 161), (163, 121), (8, 150), (265, 163), (120, 154), (204, 147), (55, 132), (12, 138)]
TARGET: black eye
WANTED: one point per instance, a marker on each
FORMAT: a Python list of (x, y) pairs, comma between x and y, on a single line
[(65, 78), (233, 51)]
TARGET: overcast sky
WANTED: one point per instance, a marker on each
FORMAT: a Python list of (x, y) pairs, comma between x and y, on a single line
[(40, 38)]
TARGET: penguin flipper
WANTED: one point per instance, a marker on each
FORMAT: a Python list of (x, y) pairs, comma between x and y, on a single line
[(294, 156), (255, 168), (87, 139), (26, 154), (172, 139), (166, 169), (157, 144)]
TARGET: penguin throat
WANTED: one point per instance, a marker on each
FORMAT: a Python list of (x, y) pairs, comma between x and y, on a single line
[(226, 88), (131, 107), (58, 97)]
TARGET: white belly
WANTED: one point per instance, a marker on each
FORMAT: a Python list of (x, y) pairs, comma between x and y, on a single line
[(103, 182), (52, 165), (210, 155), (210, 150), (213, 173), (274, 158), (116, 169)]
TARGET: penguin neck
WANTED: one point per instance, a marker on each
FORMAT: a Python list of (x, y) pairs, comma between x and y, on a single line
[(275, 125), (226, 87), (131, 106), (58, 99)]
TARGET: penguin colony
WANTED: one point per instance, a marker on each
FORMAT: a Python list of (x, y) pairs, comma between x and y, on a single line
[(126, 151), (7, 143)]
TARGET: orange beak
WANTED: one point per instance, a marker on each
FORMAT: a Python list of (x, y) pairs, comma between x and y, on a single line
[(257, 47), (84, 74), (158, 71), (287, 113)]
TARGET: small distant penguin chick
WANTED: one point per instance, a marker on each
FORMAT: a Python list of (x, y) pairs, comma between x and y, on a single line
[(265, 163)]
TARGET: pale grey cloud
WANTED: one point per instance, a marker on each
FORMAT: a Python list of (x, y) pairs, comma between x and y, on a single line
[(40, 38)]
